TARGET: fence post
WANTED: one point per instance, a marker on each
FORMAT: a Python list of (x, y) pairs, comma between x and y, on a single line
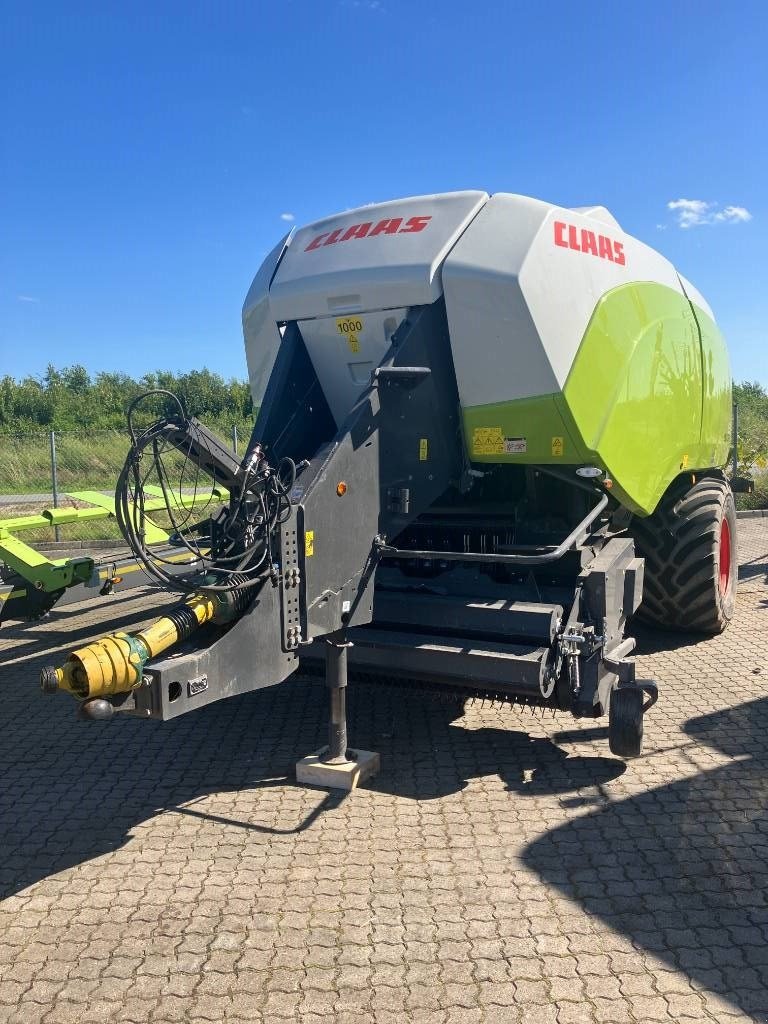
[(54, 478), (234, 437), (735, 439)]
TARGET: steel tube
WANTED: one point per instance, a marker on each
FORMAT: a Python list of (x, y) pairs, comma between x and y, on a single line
[(474, 556), (336, 680), (54, 479)]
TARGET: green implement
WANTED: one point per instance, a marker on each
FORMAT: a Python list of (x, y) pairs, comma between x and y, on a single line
[(31, 583)]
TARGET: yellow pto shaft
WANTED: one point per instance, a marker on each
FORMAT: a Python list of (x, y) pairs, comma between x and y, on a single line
[(115, 663)]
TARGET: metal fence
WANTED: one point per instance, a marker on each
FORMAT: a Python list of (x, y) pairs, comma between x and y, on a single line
[(41, 470)]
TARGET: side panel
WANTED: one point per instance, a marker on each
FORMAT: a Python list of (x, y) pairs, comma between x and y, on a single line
[(632, 402), (718, 395), (521, 286), (635, 391), (262, 337), (396, 454), (529, 430), (496, 347), (716, 376), (345, 350), (294, 418)]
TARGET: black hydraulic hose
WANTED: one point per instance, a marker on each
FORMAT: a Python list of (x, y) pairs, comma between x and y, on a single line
[(271, 487)]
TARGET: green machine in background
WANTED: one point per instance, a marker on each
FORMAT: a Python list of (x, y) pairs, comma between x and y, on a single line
[(31, 582)]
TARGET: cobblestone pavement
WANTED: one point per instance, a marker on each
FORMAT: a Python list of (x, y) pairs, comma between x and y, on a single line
[(502, 867)]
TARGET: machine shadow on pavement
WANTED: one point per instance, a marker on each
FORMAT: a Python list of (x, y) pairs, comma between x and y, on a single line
[(682, 870), (34, 642), (73, 791)]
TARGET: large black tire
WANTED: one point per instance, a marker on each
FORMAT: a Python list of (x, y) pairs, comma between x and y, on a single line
[(691, 567)]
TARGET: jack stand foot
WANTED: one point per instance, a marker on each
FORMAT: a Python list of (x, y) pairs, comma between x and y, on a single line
[(336, 766), (313, 770)]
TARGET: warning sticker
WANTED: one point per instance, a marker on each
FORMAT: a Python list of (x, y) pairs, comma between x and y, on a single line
[(487, 441), (515, 445), (423, 449), (350, 327), (309, 543), (558, 446)]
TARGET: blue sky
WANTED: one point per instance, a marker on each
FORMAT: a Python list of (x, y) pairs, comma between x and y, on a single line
[(150, 151)]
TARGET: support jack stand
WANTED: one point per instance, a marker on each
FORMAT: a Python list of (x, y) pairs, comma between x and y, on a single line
[(336, 766)]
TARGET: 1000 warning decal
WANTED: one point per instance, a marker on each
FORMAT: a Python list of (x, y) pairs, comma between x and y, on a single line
[(350, 328)]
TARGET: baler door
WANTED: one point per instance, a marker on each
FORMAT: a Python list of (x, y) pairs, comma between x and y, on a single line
[(345, 350)]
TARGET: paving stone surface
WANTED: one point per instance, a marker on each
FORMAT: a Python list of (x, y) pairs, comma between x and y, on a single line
[(501, 868)]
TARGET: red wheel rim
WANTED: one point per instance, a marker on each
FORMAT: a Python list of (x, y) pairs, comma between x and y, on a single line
[(725, 557)]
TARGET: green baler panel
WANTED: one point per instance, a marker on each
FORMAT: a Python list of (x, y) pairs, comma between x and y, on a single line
[(542, 426), (632, 403)]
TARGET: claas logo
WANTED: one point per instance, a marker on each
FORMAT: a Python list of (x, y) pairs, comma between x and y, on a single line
[(568, 236), (388, 226)]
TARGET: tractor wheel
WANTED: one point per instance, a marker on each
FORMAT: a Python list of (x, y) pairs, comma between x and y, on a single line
[(689, 547), (625, 721)]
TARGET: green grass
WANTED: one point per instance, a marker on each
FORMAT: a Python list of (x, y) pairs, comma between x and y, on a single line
[(757, 500), (87, 460), (95, 529)]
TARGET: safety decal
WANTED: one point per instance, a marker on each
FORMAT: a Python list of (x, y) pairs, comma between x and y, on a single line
[(309, 543), (515, 445), (558, 447), (423, 449), (487, 441), (350, 327)]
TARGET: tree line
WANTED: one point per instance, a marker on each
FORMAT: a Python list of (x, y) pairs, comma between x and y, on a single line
[(752, 401), (73, 399)]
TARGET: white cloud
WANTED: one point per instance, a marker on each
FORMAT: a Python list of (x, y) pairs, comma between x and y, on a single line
[(690, 212), (365, 5), (287, 216), (693, 213), (27, 298), (734, 215)]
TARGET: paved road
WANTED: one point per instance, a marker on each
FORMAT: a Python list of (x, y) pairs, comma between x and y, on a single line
[(502, 868)]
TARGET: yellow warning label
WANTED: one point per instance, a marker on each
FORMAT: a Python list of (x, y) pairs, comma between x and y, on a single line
[(558, 446), (423, 449), (487, 441), (350, 328), (309, 543), (684, 463)]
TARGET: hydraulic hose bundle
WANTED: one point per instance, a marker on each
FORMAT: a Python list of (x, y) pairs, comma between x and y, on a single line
[(237, 553)]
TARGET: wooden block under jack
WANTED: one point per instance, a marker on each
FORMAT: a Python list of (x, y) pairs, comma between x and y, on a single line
[(313, 771)]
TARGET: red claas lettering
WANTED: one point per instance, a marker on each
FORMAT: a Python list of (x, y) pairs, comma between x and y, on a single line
[(568, 236), (388, 226)]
